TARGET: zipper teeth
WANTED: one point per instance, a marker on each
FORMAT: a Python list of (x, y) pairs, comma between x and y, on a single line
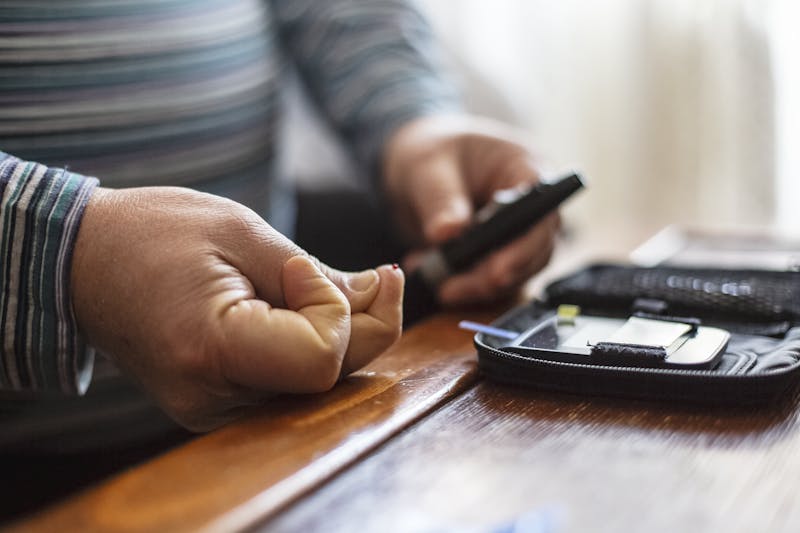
[(633, 370), (623, 371)]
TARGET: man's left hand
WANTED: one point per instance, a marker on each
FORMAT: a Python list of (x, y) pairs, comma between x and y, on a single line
[(438, 171)]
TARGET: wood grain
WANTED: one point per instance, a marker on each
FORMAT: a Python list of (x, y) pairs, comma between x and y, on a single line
[(247, 471), (480, 460), (498, 456)]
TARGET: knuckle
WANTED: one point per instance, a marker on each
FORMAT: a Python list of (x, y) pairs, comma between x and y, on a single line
[(392, 331), (341, 306), (240, 222), (234, 222), (186, 412), (199, 423), (395, 332), (191, 421), (327, 366), (190, 359), (482, 291), (198, 410), (501, 277), (384, 334)]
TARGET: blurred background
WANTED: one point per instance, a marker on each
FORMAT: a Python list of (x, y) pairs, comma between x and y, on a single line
[(677, 111)]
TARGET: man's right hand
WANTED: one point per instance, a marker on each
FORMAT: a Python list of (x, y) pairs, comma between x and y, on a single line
[(212, 310)]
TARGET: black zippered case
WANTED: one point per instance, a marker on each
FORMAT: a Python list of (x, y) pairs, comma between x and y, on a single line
[(760, 310)]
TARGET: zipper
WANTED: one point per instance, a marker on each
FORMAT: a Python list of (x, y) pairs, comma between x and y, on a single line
[(626, 371)]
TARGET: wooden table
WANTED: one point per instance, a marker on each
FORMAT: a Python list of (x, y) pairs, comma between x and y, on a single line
[(418, 441)]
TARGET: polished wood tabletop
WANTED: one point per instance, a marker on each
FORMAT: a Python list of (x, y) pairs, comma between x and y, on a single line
[(499, 457), (246, 472), (419, 441)]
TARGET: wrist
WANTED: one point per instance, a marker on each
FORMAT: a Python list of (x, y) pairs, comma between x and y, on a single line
[(94, 226)]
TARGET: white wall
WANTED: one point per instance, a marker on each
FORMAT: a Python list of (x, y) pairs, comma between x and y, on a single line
[(785, 45), (668, 105)]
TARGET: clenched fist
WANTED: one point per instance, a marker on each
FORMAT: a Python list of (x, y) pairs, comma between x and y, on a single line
[(212, 310)]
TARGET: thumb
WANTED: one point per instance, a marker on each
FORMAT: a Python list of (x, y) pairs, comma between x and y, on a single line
[(440, 200), (299, 349), (360, 288)]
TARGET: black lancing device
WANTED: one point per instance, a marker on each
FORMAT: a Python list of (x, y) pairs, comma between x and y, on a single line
[(461, 252)]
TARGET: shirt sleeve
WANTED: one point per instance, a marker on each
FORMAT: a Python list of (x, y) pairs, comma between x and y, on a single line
[(40, 210), (370, 65)]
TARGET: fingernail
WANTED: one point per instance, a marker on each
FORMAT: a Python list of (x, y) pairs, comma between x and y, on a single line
[(363, 281)]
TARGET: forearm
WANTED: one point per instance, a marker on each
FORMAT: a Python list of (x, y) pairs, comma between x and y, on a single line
[(40, 211), (370, 65)]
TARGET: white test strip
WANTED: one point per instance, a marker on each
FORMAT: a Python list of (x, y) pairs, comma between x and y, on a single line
[(488, 330)]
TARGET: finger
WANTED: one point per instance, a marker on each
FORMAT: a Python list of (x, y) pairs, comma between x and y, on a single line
[(527, 255), (259, 252), (505, 270), (521, 170), (299, 349), (440, 199), (360, 288), (379, 326)]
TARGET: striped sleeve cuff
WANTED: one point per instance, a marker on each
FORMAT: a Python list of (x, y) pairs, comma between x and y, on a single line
[(40, 211)]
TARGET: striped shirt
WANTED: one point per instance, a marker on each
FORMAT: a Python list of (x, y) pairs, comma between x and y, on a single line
[(172, 92)]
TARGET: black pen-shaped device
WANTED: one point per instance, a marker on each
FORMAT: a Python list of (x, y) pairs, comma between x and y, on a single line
[(459, 253)]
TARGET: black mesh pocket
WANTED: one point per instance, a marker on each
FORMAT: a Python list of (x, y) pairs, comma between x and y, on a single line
[(743, 294)]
